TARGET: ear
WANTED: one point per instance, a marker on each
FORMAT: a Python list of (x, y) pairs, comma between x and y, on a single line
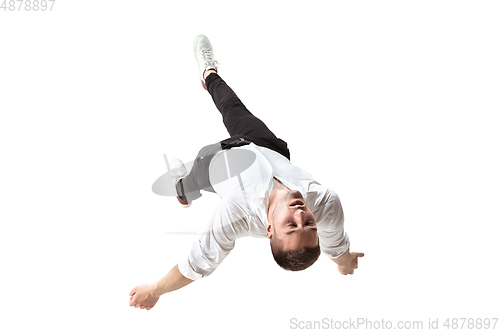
[(269, 231)]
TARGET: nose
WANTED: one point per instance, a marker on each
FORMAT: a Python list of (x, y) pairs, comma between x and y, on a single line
[(299, 215)]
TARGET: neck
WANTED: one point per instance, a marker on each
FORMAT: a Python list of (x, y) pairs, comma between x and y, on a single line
[(279, 190)]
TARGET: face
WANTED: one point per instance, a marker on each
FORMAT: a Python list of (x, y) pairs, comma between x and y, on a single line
[(292, 223)]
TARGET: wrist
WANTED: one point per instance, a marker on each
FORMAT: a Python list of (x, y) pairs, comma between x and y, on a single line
[(342, 260), (154, 290)]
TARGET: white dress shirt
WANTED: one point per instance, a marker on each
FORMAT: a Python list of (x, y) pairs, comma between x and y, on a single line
[(244, 203)]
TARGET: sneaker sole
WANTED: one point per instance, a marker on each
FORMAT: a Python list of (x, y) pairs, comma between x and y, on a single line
[(183, 204), (196, 57)]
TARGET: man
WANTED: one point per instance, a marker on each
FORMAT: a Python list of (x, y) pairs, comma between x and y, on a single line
[(262, 195)]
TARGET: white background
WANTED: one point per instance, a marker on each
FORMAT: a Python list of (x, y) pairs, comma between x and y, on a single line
[(393, 104)]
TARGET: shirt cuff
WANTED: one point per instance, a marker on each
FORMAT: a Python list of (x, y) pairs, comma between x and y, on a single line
[(336, 255), (186, 270), (339, 250)]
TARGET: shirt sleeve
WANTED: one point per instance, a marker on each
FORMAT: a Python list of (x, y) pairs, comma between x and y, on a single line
[(228, 223), (333, 240)]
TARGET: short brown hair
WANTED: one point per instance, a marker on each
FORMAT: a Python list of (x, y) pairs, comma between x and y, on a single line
[(295, 260)]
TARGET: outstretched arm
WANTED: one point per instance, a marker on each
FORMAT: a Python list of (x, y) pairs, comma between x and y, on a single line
[(145, 296), (348, 262)]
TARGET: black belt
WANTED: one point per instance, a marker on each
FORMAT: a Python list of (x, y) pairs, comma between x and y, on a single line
[(236, 143)]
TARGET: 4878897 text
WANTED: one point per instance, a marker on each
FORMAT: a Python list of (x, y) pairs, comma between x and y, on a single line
[(27, 5)]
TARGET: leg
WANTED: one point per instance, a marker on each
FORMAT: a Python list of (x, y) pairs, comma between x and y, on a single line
[(239, 121)]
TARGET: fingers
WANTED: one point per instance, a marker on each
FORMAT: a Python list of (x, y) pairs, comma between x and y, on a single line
[(133, 291), (142, 304), (133, 302), (358, 255), (344, 271)]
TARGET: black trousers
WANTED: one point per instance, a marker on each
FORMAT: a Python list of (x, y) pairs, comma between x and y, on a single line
[(243, 128)]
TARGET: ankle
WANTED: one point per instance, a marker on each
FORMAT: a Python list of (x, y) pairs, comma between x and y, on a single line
[(208, 72)]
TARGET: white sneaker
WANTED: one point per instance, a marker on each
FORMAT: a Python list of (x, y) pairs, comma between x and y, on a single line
[(177, 169), (204, 55)]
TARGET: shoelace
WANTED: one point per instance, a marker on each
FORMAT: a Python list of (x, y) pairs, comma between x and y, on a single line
[(208, 59)]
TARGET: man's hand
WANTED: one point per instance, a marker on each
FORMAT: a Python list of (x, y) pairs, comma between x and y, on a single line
[(351, 263), (142, 297), (145, 296), (348, 262)]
